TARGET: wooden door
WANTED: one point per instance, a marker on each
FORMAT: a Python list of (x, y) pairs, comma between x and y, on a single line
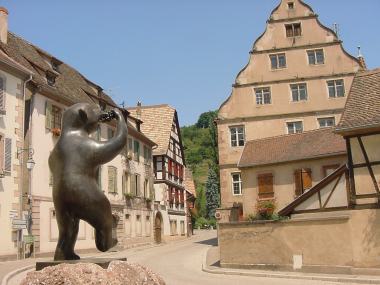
[(157, 229)]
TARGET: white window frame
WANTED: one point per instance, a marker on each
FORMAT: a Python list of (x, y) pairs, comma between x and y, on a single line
[(236, 134), (277, 57), (239, 182), (335, 88), (294, 122), (325, 118), (260, 95), (314, 51), (298, 85)]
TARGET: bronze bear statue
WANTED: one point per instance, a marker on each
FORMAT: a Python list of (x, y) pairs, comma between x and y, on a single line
[(74, 163)]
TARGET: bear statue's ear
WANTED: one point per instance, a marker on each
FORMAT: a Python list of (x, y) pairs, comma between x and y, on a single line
[(83, 115)]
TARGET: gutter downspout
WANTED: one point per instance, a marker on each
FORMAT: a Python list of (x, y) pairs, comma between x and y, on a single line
[(23, 144)]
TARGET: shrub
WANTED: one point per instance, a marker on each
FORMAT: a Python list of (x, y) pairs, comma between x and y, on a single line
[(128, 196)]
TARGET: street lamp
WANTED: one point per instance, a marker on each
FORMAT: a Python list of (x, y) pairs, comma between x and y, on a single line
[(30, 163)]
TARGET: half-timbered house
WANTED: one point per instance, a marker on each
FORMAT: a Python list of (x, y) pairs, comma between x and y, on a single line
[(160, 123)]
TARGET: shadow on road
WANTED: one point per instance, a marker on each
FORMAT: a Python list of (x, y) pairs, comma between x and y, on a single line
[(211, 241)]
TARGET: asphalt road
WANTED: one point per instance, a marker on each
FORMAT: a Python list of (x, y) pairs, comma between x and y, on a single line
[(180, 263)]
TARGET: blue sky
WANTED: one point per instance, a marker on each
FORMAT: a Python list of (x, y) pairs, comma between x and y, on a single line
[(184, 53)]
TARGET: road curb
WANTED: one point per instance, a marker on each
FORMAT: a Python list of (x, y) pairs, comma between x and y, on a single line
[(269, 274), (14, 273)]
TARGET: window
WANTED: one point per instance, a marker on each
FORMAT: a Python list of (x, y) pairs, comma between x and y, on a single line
[(53, 116), (112, 179), (7, 156), (299, 92), (295, 127), (237, 136), (146, 188), (2, 94), (130, 144), (316, 56), (147, 155), (278, 60), (302, 180), (236, 184), (293, 30), (291, 5), (263, 96), (110, 133), (136, 151), (326, 122), (336, 88), (50, 78), (265, 183), (124, 182)]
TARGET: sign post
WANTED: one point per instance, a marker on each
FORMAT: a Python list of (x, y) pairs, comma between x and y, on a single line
[(19, 225)]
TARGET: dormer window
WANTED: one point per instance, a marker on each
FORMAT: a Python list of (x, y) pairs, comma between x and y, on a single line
[(50, 79), (291, 5), (293, 30)]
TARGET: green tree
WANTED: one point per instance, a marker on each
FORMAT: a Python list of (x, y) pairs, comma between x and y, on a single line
[(212, 193), (206, 119), (200, 202)]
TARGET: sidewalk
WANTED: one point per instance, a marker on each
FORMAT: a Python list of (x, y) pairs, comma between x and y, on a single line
[(211, 265)]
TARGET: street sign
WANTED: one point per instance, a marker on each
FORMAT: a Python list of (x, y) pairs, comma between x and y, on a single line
[(19, 222), (18, 227), (13, 214)]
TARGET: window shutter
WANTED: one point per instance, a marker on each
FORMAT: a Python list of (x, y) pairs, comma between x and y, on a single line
[(298, 182), (265, 182), (112, 176), (306, 178), (8, 155), (138, 185), (123, 184), (48, 115), (2, 94), (133, 185)]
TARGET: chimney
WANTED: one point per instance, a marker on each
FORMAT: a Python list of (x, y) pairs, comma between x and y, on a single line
[(138, 110), (3, 25), (361, 59)]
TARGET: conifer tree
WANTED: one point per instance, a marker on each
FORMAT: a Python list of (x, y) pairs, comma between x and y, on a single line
[(212, 193)]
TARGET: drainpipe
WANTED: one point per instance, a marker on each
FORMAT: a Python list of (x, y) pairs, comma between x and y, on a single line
[(23, 143)]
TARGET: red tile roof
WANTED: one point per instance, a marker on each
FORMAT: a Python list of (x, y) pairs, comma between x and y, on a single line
[(363, 103), (280, 149)]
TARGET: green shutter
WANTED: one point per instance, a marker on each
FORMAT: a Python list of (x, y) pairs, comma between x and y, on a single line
[(138, 186), (112, 179), (8, 155), (133, 185)]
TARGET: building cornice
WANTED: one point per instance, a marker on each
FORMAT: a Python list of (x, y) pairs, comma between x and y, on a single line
[(221, 121), (291, 80), (309, 46), (292, 19)]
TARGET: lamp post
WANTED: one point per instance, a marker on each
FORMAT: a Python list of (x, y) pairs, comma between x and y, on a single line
[(29, 165)]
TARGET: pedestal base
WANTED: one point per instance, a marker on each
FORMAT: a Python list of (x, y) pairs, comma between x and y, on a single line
[(102, 262)]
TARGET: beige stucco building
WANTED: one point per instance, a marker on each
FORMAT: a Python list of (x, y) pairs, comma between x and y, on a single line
[(297, 79), (13, 78), (127, 180)]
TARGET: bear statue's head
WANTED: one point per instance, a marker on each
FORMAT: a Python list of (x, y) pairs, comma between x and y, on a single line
[(82, 116)]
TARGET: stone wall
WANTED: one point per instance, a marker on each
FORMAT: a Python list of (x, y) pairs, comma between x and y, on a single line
[(336, 241)]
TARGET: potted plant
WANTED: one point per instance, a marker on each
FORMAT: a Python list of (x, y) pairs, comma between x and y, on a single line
[(128, 198), (148, 202), (265, 208), (56, 132)]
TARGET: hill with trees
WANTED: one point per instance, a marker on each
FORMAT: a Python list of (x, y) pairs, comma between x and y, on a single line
[(201, 153)]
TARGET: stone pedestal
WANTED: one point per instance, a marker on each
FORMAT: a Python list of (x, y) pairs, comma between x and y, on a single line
[(102, 262)]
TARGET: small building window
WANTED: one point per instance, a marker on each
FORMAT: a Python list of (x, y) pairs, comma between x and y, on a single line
[(147, 155), (237, 136), (336, 88), (236, 184), (263, 96), (53, 116), (295, 127), (291, 5), (326, 122), (316, 56), (302, 180), (2, 95), (265, 183), (299, 92), (112, 179), (293, 30), (278, 60), (110, 133), (50, 78), (136, 151)]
